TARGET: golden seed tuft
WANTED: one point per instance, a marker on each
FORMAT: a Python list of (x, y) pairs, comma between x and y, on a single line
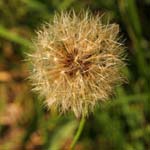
[(77, 62)]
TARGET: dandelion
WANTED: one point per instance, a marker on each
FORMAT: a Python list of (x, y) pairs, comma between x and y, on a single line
[(77, 62)]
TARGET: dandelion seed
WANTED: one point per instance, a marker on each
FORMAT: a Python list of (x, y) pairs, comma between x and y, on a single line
[(77, 62)]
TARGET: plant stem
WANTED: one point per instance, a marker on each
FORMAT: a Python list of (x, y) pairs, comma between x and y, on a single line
[(78, 133)]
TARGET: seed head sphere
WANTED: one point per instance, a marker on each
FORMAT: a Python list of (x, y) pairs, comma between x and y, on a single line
[(76, 62)]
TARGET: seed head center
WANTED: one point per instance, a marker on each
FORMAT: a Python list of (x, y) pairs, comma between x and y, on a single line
[(74, 64)]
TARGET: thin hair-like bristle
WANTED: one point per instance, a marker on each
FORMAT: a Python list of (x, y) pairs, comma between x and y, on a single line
[(77, 62)]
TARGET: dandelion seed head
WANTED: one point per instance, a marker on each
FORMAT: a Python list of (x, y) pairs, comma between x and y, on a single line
[(77, 62)]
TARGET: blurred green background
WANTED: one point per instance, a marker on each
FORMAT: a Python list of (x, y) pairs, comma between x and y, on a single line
[(120, 124)]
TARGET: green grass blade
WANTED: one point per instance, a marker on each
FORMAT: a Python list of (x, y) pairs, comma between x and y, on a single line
[(13, 37)]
